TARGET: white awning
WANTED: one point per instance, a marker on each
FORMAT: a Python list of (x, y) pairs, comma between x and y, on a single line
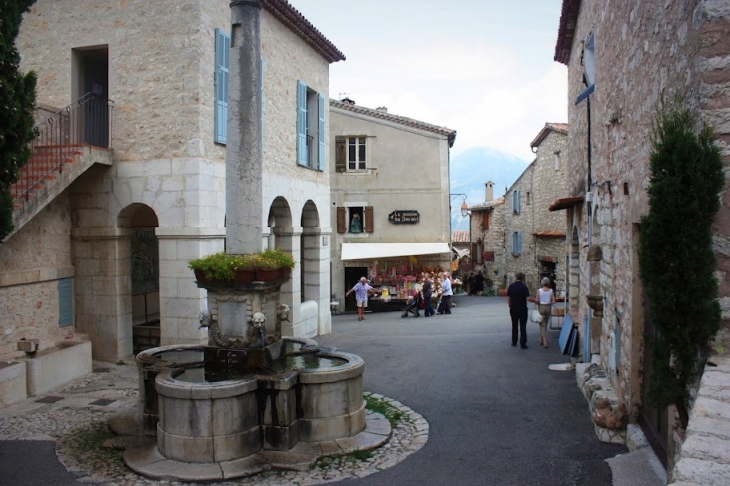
[(369, 251)]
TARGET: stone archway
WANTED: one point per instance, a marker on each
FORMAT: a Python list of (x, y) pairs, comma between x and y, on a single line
[(315, 272), (282, 235), (145, 275), (574, 271)]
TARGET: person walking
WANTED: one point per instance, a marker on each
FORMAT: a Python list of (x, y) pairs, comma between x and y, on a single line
[(517, 297), (362, 290), (446, 293), (478, 283), (427, 291), (545, 301)]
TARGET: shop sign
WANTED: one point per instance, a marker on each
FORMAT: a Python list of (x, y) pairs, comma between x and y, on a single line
[(404, 216), (487, 256), (467, 267)]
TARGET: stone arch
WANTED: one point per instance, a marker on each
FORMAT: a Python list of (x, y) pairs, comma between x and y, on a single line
[(310, 255), (144, 274), (281, 234)]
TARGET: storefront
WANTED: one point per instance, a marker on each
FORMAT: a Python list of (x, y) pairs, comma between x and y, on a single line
[(392, 268)]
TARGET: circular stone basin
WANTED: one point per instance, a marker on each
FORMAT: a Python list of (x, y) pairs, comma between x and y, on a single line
[(179, 356), (305, 362), (207, 374)]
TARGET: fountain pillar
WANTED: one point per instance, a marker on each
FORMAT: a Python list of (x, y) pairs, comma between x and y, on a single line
[(244, 199)]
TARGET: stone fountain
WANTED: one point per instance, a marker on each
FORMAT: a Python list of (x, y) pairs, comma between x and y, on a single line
[(249, 399)]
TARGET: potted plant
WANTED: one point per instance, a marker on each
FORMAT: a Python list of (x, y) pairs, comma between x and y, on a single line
[(222, 267)]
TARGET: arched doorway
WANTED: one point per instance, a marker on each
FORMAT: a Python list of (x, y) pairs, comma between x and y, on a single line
[(145, 275)]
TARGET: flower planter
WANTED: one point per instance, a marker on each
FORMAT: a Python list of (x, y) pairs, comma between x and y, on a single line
[(502, 292), (244, 276), (267, 275), (284, 273), (200, 276), (595, 302)]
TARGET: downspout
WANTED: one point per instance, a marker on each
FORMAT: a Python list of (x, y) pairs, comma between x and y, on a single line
[(589, 239)]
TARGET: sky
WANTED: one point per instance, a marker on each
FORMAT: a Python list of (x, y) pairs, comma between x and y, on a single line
[(481, 67)]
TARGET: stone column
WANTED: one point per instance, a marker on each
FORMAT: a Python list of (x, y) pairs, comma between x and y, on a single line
[(244, 200)]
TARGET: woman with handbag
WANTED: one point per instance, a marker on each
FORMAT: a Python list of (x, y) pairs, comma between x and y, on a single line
[(545, 301)]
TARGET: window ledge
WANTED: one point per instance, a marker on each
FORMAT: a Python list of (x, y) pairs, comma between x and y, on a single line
[(356, 173), (355, 235)]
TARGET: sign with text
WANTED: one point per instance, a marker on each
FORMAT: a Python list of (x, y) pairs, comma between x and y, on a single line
[(487, 256), (404, 216)]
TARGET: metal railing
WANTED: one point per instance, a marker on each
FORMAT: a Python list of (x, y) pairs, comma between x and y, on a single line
[(83, 123)]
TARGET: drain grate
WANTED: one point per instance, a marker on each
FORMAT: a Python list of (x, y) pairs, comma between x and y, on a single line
[(102, 402), (49, 399), (101, 370)]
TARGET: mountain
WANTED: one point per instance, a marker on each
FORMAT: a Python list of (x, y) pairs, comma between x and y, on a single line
[(471, 169)]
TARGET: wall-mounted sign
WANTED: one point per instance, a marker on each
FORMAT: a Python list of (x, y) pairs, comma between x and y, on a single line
[(404, 216), (487, 256)]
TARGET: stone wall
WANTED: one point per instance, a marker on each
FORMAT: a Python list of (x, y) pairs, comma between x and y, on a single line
[(33, 260)]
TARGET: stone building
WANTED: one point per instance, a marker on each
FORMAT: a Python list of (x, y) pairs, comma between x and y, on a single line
[(524, 236), (623, 59), (486, 225), (392, 174), (155, 192)]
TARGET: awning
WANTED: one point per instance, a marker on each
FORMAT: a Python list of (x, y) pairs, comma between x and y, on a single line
[(565, 203), (368, 251)]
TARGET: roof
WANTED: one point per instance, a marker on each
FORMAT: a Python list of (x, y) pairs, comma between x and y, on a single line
[(297, 23), (402, 120), (368, 251), (487, 205), (549, 234), (566, 30), (565, 203), (460, 237), (549, 127)]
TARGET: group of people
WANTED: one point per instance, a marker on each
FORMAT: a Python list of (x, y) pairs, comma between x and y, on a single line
[(518, 295), (425, 290), (476, 281)]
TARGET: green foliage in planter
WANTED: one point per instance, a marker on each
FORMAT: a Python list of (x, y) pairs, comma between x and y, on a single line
[(17, 98), (222, 266), (676, 259)]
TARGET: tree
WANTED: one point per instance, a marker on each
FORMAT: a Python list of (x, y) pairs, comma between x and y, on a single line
[(17, 98), (676, 259)]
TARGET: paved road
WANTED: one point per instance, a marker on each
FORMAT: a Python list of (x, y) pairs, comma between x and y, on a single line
[(498, 415)]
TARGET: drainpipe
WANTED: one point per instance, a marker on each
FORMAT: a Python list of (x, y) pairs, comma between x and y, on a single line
[(244, 195), (589, 239)]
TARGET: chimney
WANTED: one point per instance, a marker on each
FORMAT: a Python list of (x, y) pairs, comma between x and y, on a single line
[(382, 109), (488, 191)]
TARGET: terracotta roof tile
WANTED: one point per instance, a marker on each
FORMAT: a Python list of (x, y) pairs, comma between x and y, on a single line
[(487, 205), (557, 127), (384, 115), (460, 237), (566, 30), (297, 23)]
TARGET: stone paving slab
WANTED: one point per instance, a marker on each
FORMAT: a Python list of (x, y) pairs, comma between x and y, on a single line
[(65, 419)]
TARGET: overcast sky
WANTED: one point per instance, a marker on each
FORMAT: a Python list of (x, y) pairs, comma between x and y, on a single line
[(481, 67)]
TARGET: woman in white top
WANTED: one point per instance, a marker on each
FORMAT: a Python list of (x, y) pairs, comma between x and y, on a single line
[(545, 301)]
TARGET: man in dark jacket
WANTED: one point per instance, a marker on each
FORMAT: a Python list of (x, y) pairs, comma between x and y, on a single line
[(427, 291), (517, 296)]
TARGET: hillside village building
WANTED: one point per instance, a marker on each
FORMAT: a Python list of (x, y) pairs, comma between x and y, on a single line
[(517, 233), (155, 190), (390, 197), (623, 59)]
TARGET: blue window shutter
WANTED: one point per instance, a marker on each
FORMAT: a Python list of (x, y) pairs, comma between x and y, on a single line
[(512, 244), (519, 243), (261, 77), (222, 53), (519, 201), (302, 123), (320, 130), (65, 302)]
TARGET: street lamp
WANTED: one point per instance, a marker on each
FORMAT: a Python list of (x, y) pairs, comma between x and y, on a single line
[(464, 206)]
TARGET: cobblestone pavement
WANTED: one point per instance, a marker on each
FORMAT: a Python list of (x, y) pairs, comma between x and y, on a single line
[(77, 422)]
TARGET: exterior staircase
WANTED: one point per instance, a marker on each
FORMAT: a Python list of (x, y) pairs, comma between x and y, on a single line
[(68, 143)]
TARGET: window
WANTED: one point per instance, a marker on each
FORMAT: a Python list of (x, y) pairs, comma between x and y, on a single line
[(355, 219), (516, 243), (516, 202), (527, 197), (222, 51), (310, 127), (350, 153), (485, 220), (556, 161)]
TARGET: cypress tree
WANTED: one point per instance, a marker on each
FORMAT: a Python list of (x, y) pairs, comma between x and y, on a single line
[(17, 98), (676, 259)]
